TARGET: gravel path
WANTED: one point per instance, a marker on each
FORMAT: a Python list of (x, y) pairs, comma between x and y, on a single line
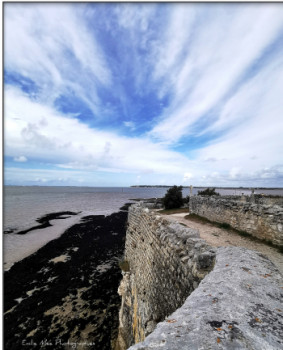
[(218, 237)]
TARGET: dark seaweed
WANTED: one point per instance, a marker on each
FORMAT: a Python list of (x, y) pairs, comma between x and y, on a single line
[(44, 221), (99, 239)]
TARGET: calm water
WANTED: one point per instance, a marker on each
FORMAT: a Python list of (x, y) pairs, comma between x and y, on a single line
[(24, 204)]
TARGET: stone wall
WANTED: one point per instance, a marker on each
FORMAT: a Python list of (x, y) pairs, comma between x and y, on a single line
[(179, 293), (237, 306), (166, 262), (262, 218)]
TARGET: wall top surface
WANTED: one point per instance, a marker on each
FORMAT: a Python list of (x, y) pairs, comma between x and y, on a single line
[(236, 306)]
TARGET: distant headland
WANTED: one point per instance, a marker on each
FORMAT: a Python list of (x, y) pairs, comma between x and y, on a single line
[(223, 187)]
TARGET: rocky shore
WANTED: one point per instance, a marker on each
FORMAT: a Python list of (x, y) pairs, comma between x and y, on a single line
[(64, 296)]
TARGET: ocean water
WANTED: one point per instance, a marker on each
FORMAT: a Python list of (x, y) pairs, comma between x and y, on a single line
[(24, 204)]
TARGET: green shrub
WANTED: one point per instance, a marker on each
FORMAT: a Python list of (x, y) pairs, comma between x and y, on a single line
[(208, 192), (186, 200), (173, 198)]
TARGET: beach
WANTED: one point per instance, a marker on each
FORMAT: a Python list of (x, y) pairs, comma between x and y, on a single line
[(65, 294)]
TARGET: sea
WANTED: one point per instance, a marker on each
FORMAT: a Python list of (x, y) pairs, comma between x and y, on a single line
[(22, 205)]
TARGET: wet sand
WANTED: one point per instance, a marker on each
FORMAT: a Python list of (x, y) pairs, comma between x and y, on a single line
[(18, 245), (65, 294)]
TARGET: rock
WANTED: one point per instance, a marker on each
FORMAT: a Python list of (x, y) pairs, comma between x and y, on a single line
[(262, 220), (238, 305), (150, 327), (205, 260)]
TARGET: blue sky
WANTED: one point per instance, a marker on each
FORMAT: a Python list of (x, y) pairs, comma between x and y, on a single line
[(116, 94)]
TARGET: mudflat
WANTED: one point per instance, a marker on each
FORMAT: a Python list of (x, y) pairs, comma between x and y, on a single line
[(65, 294)]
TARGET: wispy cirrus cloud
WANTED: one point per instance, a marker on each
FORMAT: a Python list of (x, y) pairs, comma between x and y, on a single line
[(252, 118), (211, 59), (158, 92), (43, 133), (20, 159), (54, 50)]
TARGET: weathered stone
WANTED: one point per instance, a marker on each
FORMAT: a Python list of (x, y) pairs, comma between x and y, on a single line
[(233, 303), (205, 260), (236, 306), (150, 326), (262, 220), (159, 281)]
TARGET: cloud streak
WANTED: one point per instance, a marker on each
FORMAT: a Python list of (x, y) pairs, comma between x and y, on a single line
[(190, 92), (45, 134), (20, 159), (221, 50), (55, 50)]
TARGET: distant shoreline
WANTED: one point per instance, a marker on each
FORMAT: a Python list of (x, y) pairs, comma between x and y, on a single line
[(220, 187), (155, 186)]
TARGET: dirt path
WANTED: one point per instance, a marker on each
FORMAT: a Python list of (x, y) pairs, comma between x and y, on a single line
[(218, 237)]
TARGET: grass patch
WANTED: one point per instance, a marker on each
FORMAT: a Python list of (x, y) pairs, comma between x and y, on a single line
[(278, 247), (245, 234), (224, 225), (258, 240), (197, 218), (173, 211)]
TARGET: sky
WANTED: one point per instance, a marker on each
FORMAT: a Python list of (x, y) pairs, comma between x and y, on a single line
[(121, 94)]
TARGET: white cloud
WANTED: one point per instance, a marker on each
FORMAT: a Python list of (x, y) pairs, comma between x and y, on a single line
[(41, 180), (80, 152), (134, 16), (187, 176), (199, 59), (45, 176), (177, 34), (221, 49), (254, 115), (234, 172), (73, 145), (51, 45), (20, 159), (130, 125)]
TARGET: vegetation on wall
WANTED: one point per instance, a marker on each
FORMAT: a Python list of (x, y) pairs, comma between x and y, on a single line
[(208, 192), (124, 265)]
